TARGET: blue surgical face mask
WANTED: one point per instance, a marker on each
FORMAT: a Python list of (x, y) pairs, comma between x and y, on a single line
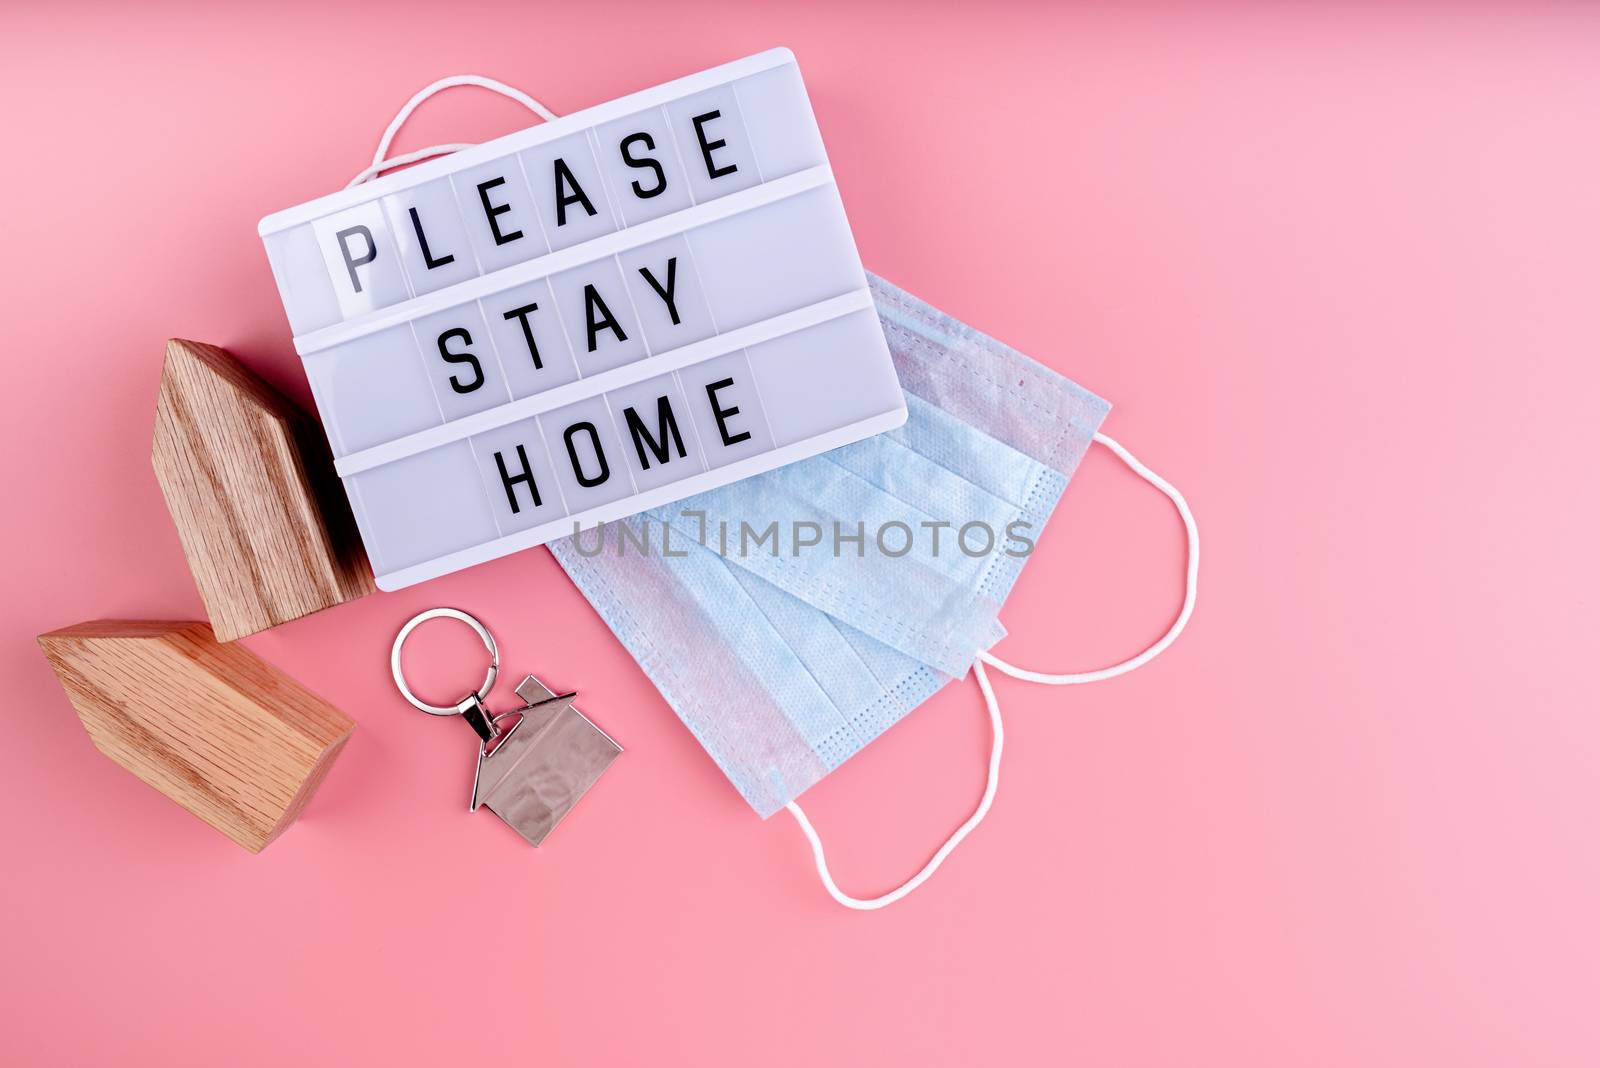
[(885, 539), (787, 658)]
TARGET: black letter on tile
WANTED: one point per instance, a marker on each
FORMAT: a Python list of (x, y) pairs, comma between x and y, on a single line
[(599, 454), (491, 210), (666, 293), (422, 241), (521, 315), (666, 428), (722, 413), (647, 161), (707, 147), (568, 191), (352, 262), (510, 482), (461, 357), (592, 304)]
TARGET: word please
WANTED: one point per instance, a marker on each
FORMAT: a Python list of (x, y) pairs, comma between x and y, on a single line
[(568, 195)]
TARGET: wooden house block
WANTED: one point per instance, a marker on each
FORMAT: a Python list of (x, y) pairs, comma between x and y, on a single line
[(212, 726), (265, 527)]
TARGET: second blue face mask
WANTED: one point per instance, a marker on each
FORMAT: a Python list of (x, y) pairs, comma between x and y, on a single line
[(787, 659)]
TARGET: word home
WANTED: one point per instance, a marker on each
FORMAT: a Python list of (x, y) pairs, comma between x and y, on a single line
[(585, 319)]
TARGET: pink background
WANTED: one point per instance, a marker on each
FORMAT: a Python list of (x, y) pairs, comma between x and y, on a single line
[(1336, 268)]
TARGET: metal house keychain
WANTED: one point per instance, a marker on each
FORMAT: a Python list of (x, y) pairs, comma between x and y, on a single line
[(534, 762)]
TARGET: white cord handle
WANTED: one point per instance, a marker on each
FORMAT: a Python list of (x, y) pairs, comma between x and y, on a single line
[(1191, 581), (380, 158)]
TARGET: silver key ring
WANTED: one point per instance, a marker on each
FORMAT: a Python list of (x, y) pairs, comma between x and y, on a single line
[(476, 696)]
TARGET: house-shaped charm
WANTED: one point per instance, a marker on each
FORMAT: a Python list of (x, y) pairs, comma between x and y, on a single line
[(548, 757)]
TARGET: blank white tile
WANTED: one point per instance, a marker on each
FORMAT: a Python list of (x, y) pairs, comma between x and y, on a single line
[(500, 214), (667, 294), (569, 161), (591, 467), (722, 396), (372, 389), (527, 334), (826, 376), (777, 114), (597, 314), (716, 150), (428, 231), (302, 277), (518, 476), (776, 258), (657, 431), (461, 361), (421, 507), (642, 167), (359, 256)]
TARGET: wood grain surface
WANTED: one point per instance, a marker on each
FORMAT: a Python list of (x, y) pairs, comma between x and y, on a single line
[(265, 527), (212, 726)]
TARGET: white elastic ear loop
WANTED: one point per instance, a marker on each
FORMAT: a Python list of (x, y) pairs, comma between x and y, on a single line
[(989, 788), (1190, 586), (380, 160)]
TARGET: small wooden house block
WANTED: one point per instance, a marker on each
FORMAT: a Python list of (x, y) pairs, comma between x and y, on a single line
[(267, 532), (212, 726)]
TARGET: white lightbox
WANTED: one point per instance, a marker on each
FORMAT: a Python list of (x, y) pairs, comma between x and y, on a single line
[(585, 319)]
